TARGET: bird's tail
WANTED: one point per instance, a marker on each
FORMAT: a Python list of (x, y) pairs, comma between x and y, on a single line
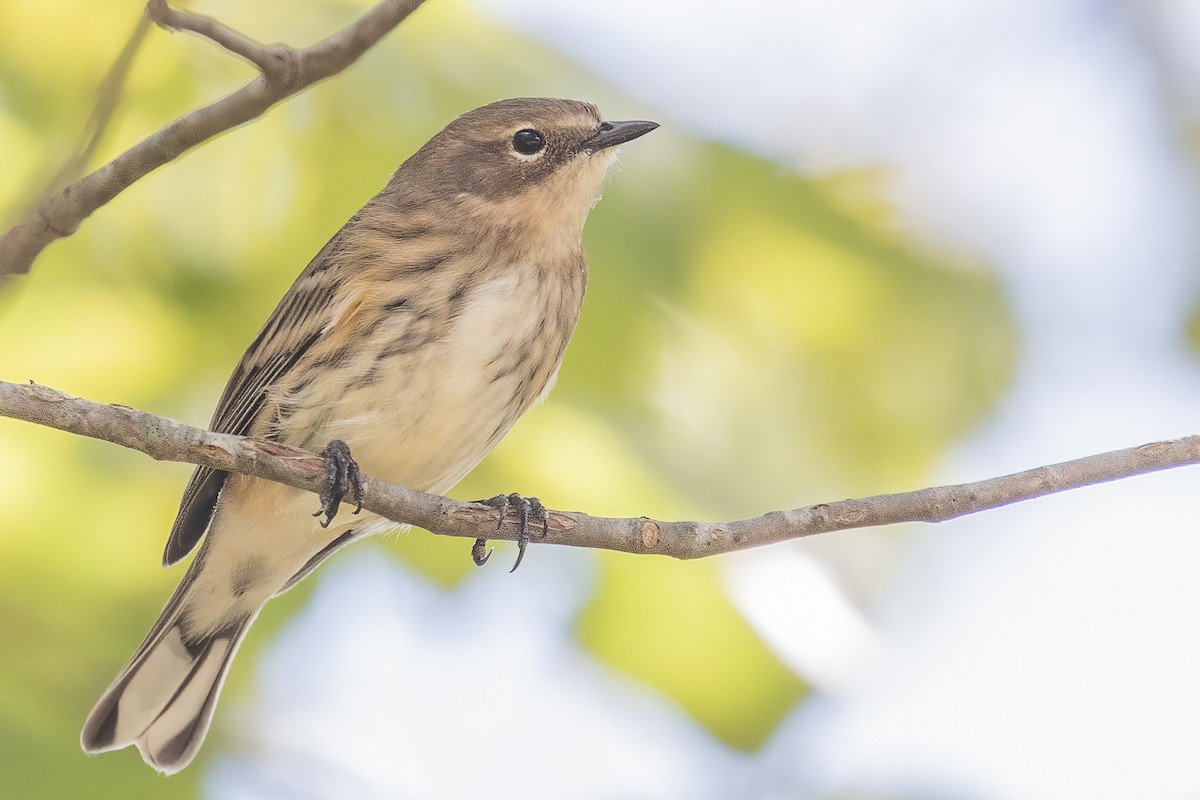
[(163, 700)]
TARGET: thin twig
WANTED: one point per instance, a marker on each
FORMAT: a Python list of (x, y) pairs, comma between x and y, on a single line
[(168, 440), (239, 44), (289, 72), (108, 96)]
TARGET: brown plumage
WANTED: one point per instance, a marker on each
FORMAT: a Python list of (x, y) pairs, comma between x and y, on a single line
[(418, 335)]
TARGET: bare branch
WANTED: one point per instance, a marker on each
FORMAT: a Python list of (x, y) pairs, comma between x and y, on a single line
[(285, 72), (108, 96), (168, 440), (236, 43)]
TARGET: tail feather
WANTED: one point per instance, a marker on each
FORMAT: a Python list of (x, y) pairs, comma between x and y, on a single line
[(164, 698), (173, 738), (163, 701)]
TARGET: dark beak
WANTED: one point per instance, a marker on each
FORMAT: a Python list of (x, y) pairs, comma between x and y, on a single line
[(610, 134)]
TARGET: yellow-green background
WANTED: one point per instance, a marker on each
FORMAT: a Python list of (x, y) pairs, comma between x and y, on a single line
[(752, 340)]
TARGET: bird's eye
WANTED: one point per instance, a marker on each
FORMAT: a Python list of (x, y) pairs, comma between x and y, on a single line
[(527, 142)]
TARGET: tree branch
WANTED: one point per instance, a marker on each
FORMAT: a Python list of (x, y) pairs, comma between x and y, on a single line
[(283, 73), (257, 54), (108, 96), (167, 440)]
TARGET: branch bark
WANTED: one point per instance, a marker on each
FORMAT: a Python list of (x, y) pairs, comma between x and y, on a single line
[(168, 440), (283, 73)]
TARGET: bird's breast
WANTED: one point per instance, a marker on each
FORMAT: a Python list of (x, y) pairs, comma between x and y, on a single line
[(441, 377)]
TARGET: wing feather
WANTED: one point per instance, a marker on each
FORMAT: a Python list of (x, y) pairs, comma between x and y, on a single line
[(291, 330)]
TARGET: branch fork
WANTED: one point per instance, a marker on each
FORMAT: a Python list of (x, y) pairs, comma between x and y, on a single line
[(279, 63), (284, 71)]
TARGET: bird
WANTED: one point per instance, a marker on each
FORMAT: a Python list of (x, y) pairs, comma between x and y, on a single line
[(407, 348)]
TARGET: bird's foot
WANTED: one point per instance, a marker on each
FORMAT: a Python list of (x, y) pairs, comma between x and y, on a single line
[(527, 508), (341, 476)]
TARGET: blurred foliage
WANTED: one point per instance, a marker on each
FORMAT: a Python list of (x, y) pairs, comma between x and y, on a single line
[(1191, 333), (752, 340)]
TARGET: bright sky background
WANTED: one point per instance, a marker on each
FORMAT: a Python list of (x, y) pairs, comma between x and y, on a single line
[(1043, 651)]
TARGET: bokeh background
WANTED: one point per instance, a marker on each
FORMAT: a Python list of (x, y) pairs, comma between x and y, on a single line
[(874, 246)]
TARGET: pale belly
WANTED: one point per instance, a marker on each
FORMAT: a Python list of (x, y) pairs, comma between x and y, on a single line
[(422, 418), (425, 418)]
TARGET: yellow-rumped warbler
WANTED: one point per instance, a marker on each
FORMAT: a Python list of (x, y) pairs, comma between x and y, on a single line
[(417, 336)]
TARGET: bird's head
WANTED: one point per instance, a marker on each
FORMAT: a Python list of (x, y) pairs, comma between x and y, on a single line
[(527, 159)]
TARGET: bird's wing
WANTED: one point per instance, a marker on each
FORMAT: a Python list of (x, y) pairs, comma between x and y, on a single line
[(291, 330)]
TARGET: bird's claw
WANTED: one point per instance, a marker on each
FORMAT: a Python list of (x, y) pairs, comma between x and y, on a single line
[(341, 476), (480, 552), (526, 507)]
